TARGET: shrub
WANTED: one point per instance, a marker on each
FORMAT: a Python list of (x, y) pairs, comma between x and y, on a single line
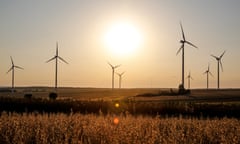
[(28, 96), (53, 95), (182, 90)]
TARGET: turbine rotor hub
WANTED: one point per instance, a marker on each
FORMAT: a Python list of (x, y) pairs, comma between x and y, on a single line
[(182, 41)]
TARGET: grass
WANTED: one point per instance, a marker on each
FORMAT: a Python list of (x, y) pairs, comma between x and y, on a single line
[(90, 128)]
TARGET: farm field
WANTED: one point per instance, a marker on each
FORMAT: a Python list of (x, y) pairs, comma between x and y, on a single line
[(139, 94), (86, 129), (206, 103), (98, 115)]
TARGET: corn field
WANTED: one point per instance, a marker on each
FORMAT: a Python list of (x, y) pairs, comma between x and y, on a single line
[(114, 129)]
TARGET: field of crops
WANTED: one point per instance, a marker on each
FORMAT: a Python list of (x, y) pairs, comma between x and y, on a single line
[(99, 116), (78, 128)]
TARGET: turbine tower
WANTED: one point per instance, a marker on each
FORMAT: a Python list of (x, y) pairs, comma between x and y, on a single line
[(120, 78), (12, 68), (183, 41), (208, 72), (219, 63), (56, 57), (189, 77), (113, 71)]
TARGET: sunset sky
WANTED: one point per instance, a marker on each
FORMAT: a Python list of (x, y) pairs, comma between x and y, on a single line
[(86, 32)]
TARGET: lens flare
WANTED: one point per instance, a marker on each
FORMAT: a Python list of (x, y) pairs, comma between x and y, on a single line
[(116, 121), (117, 105)]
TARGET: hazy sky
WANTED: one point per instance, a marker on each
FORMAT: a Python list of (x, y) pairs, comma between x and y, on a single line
[(29, 31)]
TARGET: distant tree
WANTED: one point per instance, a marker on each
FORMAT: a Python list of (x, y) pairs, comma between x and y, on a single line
[(182, 90), (28, 96), (53, 95)]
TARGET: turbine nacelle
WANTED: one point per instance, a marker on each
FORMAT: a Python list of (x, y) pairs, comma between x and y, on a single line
[(113, 69), (219, 62), (120, 74), (189, 76), (112, 66), (13, 66), (120, 78), (208, 71), (219, 59), (182, 41), (56, 57)]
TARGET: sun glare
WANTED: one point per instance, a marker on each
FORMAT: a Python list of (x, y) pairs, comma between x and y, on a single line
[(122, 39)]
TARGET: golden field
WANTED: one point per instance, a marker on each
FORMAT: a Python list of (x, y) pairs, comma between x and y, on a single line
[(92, 129), (120, 116)]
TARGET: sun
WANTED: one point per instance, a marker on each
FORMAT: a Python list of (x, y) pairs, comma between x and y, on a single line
[(122, 39)]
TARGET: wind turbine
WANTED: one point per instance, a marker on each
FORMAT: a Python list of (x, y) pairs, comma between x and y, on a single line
[(56, 57), (207, 72), (219, 63), (183, 41), (12, 68), (120, 78), (113, 71), (189, 77)]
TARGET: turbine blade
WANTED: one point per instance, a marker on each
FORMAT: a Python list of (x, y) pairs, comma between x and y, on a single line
[(62, 59), (18, 67), (9, 70), (11, 60), (179, 50), (51, 59), (191, 44), (110, 65), (57, 49), (221, 65), (205, 72), (117, 73), (222, 54), (122, 73), (189, 76), (214, 56), (117, 66), (210, 73), (182, 32)]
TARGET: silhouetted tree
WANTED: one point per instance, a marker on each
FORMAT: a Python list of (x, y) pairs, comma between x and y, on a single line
[(53, 95), (28, 96)]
